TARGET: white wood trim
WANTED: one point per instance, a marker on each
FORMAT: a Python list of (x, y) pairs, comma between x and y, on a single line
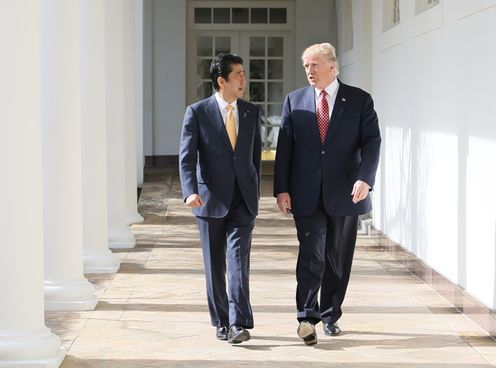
[(289, 5)]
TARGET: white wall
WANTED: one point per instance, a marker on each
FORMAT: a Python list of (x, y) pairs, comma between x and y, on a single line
[(164, 60), (314, 23), (433, 83), (356, 64), (168, 75)]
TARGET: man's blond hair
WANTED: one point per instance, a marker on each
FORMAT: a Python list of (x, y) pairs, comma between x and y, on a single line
[(326, 50)]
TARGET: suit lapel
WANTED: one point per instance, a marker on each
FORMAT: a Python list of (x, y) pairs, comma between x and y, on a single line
[(243, 113), (215, 117), (337, 112)]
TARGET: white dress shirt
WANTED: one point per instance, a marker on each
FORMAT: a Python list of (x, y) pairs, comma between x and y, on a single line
[(223, 110), (332, 91)]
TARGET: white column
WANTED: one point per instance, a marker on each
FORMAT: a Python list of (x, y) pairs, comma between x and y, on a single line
[(130, 113), (65, 286), (140, 156), (25, 341), (118, 230), (97, 256)]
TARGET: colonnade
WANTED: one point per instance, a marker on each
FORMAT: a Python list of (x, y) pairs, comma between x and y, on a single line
[(68, 155)]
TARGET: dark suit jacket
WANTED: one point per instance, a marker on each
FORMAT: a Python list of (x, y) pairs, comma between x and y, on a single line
[(207, 163), (304, 166)]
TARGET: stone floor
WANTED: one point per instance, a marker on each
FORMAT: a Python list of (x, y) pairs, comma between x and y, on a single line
[(153, 312)]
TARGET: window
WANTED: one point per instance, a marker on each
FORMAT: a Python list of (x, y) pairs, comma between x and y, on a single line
[(423, 5), (206, 48), (223, 15), (266, 83), (391, 14)]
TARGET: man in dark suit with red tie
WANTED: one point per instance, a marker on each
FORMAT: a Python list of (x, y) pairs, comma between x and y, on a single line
[(327, 156), (219, 166)]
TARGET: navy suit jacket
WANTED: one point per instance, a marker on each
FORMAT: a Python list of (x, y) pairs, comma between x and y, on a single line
[(207, 163), (305, 168)]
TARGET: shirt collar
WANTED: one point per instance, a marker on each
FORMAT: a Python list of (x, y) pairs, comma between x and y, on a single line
[(331, 89), (223, 104)]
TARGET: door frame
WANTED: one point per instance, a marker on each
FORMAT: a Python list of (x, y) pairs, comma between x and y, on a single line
[(194, 30)]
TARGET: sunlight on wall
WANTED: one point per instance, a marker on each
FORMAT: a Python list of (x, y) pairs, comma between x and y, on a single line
[(481, 219), (438, 124), (421, 192), (437, 197), (397, 162)]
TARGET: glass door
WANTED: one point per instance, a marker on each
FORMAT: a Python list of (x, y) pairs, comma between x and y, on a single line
[(203, 47), (266, 56)]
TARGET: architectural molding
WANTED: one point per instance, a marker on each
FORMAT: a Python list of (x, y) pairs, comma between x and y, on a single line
[(464, 303), (121, 238), (38, 349), (100, 262), (70, 296)]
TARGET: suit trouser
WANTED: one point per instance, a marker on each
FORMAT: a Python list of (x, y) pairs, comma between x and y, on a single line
[(327, 244), (229, 235)]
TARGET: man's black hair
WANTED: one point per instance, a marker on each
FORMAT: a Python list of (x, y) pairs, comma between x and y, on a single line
[(221, 67)]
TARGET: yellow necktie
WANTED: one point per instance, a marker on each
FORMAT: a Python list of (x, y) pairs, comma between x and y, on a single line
[(231, 126)]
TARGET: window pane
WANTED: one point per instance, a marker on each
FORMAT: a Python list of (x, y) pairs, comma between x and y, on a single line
[(271, 139), (264, 136), (396, 11), (222, 15), (422, 5), (276, 46), (204, 46), (262, 110), (277, 15), (275, 69), (257, 91), (257, 46), (222, 44), (240, 15), (203, 68), (258, 15), (203, 15), (275, 91), (257, 69), (275, 111)]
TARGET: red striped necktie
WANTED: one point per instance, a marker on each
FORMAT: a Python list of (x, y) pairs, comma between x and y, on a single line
[(323, 115)]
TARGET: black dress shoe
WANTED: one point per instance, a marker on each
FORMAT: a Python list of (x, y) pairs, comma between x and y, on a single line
[(306, 330), (221, 333), (331, 329), (237, 335)]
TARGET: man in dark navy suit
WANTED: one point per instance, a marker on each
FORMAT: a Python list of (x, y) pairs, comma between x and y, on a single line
[(219, 164), (327, 156)]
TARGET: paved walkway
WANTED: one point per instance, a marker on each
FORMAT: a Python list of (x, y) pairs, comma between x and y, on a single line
[(153, 312)]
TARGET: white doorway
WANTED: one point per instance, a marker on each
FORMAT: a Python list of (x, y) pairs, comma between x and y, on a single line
[(265, 49)]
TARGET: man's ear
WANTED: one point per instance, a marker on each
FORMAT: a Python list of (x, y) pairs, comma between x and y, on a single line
[(221, 81)]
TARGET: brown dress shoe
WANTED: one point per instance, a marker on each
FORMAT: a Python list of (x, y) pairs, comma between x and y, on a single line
[(306, 330)]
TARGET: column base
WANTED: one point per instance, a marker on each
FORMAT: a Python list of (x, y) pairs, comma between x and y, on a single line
[(100, 262), (134, 218), (121, 238), (70, 296), (40, 350)]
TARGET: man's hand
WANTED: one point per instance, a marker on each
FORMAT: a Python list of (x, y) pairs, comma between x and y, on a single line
[(360, 191), (194, 201), (284, 203)]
